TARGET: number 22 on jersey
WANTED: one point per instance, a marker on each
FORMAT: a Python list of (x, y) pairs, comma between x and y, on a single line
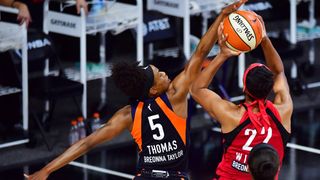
[(252, 134)]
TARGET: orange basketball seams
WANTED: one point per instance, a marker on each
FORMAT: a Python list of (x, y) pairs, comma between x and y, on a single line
[(244, 31)]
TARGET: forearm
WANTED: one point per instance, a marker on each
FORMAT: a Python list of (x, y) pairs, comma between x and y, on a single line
[(205, 45), (72, 153), (209, 38), (206, 76), (272, 57)]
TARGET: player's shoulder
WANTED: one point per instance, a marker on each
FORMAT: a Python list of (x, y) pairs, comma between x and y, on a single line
[(126, 110)]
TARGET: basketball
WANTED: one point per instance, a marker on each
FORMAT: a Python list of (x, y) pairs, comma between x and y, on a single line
[(244, 31)]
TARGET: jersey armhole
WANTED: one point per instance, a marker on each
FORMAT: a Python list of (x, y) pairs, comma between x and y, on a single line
[(230, 136), (245, 114), (165, 99), (274, 110), (133, 109)]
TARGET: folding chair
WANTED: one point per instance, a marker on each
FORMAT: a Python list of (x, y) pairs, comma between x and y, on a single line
[(47, 87)]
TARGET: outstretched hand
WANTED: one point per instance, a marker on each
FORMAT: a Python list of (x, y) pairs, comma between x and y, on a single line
[(224, 50), (233, 7), (264, 32), (40, 175)]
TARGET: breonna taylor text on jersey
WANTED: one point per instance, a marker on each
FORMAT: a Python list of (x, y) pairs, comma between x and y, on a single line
[(160, 134)]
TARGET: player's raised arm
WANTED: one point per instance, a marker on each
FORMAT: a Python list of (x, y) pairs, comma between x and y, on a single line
[(209, 100), (183, 81), (118, 123)]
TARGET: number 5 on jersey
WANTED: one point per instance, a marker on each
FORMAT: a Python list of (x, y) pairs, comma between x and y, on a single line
[(156, 126)]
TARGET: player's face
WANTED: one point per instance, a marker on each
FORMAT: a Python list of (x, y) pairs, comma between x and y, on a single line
[(161, 81)]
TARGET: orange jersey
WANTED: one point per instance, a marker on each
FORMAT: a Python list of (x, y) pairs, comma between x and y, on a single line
[(160, 135)]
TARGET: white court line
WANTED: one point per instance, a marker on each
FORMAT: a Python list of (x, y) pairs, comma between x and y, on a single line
[(236, 98), (102, 170), (290, 145), (303, 148)]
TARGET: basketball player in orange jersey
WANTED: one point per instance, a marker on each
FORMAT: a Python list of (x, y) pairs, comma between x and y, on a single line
[(257, 120), (157, 118)]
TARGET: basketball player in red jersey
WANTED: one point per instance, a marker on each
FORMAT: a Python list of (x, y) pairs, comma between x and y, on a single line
[(157, 117), (257, 120)]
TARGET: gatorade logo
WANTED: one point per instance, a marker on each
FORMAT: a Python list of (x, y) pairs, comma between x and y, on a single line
[(166, 3), (63, 23)]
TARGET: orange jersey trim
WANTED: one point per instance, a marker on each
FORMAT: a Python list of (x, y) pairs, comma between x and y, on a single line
[(136, 129), (178, 122)]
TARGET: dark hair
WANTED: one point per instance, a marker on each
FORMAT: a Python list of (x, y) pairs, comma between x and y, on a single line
[(129, 78), (263, 162), (259, 82)]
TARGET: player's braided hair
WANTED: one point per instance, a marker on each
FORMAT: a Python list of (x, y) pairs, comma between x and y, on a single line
[(259, 82)]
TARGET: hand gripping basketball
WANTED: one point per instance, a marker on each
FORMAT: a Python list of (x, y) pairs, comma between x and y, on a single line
[(244, 30)]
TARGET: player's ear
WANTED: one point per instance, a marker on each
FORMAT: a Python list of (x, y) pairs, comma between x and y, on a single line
[(153, 91)]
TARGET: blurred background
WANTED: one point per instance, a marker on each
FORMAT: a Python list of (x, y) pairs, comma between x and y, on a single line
[(38, 126)]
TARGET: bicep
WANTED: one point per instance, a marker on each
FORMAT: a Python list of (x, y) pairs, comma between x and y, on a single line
[(182, 82), (119, 122), (281, 90), (211, 102)]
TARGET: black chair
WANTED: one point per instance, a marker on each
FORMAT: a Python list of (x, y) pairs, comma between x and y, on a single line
[(47, 88)]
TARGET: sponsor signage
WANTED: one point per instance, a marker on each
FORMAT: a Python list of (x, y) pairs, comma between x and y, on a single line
[(64, 24), (171, 7), (157, 27)]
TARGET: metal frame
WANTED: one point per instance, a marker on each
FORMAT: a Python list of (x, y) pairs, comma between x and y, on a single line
[(25, 100), (79, 31)]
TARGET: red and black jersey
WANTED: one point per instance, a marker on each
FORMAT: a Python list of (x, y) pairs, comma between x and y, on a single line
[(239, 142), (160, 134)]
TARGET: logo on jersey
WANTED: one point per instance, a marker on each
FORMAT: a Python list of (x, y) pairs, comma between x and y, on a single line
[(149, 107)]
